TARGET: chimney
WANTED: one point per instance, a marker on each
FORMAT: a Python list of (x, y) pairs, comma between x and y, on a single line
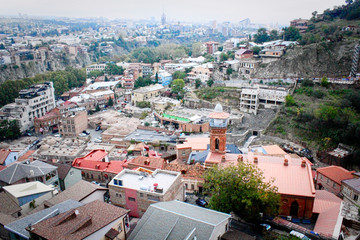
[(286, 162), (240, 158), (256, 160), (223, 158), (303, 163)]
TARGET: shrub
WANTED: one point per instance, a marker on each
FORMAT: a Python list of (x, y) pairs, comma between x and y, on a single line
[(290, 101)]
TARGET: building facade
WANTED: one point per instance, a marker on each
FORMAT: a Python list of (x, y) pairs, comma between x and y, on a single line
[(73, 124), (32, 103), (136, 190)]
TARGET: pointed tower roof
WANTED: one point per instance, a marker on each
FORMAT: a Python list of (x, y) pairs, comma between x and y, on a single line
[(219, 113)]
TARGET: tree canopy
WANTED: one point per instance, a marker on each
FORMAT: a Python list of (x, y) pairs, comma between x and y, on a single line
[(177, 86), (261, 36), (9, 130), (241, 189), (291, 34)]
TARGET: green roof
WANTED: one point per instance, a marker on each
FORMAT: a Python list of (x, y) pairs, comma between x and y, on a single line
[(176, 118)]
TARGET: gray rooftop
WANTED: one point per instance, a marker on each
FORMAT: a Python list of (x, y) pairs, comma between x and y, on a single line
[(18, 171), (177, 220), (353, 183), (140, 135), (18, 227)]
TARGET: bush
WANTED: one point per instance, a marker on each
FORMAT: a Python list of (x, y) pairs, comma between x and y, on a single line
[(307, 83), (325, 82), (143, 104), (290, 101), (318, 94)]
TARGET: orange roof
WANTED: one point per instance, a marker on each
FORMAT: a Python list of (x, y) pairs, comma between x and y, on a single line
[(4, 153), (26, 155), (219, 115), (196, 144), (290, 180), (335, 173), (329, 208), (154, 163), (110, 167), (274, 150)]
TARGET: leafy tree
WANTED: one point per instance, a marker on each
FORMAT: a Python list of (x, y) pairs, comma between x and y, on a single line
[(229, 71), (110, 102), (142, 82), (156, 77), (106, 79), (143, 104), (307, 83), (9, 130), (290, 101), (325, 82), (256, 50), (210, 82), (114, 69), (291, 34), (177, 86), (241, 189), (197, 83), (2, 46), (97, 108), (261, 36), (274, 35), (95, 74), (223, 57), (197, 49), (179, 75)]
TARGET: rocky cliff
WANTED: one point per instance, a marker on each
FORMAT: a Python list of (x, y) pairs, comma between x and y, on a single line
[(31, 68), (331, 59)]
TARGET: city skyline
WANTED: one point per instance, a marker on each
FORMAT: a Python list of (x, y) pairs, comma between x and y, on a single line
[(266, 12)]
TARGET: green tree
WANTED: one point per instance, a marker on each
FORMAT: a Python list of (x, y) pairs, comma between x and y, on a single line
[(223, 57), (97, 108), (197, 49), (156, 77), (95, 74), (110, 102), (229, 71), (177, 86), (210, 82), (9, 130), (290, 101), (241, 189), (291, 34), (261, 36), (2, 46), (256, 50), (142, 82), (114, 69), (179, 75), (197, 83), (325, 82), (274, 35)]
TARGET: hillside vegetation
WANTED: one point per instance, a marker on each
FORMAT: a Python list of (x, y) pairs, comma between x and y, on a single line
[(320, 117)]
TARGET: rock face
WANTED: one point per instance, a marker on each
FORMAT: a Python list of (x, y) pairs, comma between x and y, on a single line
[(314, 60), (31, 68)]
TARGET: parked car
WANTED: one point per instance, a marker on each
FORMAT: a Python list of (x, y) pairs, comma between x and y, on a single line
[(265, 226), (57, 135), (299, 235), (201, 202), (97, 140), (82, 135), (86, 132), (98, 128)]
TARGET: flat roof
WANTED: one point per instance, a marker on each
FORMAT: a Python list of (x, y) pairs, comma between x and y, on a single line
[(132, 179), (26, 189)]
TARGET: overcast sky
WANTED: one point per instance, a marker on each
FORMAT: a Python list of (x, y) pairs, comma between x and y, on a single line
[(259, 11)]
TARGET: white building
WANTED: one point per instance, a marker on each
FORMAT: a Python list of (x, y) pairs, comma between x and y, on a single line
[(252, 98), (95, 67), (32, 103)]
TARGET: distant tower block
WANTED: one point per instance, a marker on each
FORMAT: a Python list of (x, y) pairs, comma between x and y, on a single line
[(218, 127), (163, 18)]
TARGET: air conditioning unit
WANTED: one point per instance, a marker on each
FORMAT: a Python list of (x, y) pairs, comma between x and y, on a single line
[(288, 218)]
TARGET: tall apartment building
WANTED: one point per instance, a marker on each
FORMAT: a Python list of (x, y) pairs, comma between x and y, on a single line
[(33, 102), (73, 124)]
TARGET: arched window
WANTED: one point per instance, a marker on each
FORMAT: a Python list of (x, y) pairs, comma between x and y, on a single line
[(217, 143), (294, 209)]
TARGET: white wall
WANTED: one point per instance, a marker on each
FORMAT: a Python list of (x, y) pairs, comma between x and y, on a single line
[(97, 195)]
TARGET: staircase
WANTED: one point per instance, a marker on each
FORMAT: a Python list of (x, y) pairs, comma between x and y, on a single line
[(355, 61)]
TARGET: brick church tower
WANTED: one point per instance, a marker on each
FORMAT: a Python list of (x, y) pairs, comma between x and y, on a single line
[(218, 127)]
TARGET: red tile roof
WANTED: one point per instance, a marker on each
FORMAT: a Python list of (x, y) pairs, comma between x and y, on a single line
[(329, 208), (89, 219), (26, 155), (292, 179), (94, 155), (146, 162), (187, 171), (4, 153), (110, 167), (335, 173)]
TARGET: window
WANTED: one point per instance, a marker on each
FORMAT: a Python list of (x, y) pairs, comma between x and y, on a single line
[(131, 199), (192, 187), (334, 185), (327, 180), (186, 186), (153, 198), (141, 195), (355, 197)]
